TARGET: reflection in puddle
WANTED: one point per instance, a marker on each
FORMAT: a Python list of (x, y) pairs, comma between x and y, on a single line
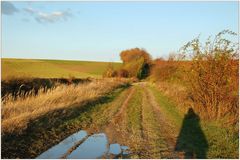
[(60, 149), (95, 146), (115, 149), (125, 150)]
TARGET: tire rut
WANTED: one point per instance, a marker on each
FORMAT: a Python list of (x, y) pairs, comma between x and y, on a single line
[(116, 129), (167, 129), (155, 143), (103, 117)]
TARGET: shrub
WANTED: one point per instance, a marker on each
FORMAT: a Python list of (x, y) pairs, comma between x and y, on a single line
[(137, 62), (163, 70), (170, 70), (213, 76)]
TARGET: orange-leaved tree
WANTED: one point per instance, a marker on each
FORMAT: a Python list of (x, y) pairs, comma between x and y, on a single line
[(136, 62)]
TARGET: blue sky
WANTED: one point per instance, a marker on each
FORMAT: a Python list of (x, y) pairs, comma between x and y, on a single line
[(99, 31)]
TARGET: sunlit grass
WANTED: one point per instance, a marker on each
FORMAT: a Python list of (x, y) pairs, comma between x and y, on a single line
[(17, 113), (223, 142), (52, 68)]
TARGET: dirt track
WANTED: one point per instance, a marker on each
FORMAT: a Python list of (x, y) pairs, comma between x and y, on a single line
[(140, 124), (135, 119)]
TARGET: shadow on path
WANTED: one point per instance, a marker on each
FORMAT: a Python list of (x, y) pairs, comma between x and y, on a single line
[(191, 139)]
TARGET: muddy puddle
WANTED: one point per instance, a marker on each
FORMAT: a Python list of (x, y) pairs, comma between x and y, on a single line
[(62, 148), (83, 146)]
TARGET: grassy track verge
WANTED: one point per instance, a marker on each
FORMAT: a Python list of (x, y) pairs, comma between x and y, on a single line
[(167, 107), (221, 142), (134, 123), (134, 113)]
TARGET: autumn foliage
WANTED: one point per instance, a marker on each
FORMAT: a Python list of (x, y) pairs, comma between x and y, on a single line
[(128, 56), (163, 70), (213, 76), (136, 64), (208, 72)]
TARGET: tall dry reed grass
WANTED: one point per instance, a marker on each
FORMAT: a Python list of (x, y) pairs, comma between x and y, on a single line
[(16, 114)]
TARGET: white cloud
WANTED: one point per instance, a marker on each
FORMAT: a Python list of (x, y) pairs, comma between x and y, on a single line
[(53, 17), (8, 8), (43, 17)]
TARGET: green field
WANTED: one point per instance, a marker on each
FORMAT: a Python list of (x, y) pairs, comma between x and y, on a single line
[(52, 68)]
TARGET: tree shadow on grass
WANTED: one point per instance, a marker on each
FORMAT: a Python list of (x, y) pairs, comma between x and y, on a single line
[(191, 139)]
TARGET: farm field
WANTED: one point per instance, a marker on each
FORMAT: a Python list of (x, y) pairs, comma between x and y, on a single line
[(137, 116), (52, 68), (172, 91)]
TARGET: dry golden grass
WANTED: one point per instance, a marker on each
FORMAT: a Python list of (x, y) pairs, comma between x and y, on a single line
[(176, 92), (17, 114)]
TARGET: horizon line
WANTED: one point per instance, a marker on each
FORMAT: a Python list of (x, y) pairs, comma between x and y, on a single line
[(62, 59)]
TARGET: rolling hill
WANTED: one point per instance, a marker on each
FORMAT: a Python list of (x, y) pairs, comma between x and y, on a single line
[(52, 68)]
